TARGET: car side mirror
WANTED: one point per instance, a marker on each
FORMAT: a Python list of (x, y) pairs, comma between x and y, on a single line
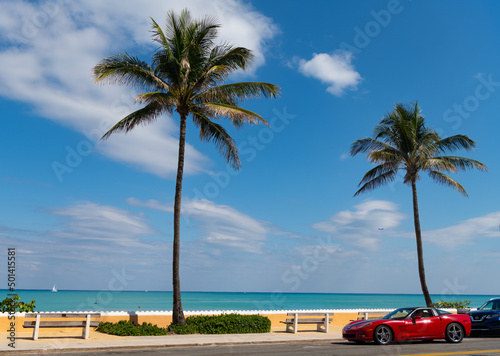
[(417, 317)]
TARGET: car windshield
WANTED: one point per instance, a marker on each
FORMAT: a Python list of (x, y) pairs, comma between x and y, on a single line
[(398, 314), (490, 305)]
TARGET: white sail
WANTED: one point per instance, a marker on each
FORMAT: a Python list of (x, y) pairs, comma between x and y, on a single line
[(54, 288)]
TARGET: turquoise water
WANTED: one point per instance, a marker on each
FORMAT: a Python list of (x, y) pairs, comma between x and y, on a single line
[(46, 300)]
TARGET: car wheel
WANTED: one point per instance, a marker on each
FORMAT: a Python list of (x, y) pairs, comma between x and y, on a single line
[(454, 333), (382, 335)]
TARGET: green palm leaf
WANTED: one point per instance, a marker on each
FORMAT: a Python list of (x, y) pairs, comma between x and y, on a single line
[(128, 70), (442, 178), (143, 116)]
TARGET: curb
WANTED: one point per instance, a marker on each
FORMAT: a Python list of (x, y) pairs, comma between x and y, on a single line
[(36, 351)]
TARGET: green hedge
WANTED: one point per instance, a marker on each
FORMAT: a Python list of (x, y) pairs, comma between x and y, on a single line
[(217, 324), (128, 328), (454, 305), (223, 324)]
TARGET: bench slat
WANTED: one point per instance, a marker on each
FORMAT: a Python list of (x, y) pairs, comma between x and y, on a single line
[(309, 320), (309, 314), (62, 315), (305, 322), (60, 324)]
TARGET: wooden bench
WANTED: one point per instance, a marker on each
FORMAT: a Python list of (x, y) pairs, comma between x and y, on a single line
[(322, 320), (85, 324), (371, 315)]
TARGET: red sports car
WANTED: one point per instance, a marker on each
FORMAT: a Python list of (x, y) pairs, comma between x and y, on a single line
[(410, 324)]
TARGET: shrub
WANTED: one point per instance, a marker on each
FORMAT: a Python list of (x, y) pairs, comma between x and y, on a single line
[(217, 324), (455, 305), (13, 305), (223, 324), (128, 328)]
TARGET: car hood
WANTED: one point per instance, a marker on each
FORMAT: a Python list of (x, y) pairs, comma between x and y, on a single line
[(484, 312), (361, 323)]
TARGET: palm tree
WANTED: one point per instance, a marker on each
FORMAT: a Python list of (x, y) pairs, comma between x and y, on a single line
[(187, 74), (403, 142)]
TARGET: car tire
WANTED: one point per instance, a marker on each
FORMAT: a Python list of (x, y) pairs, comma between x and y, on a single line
[(454, 333), (382, 335)]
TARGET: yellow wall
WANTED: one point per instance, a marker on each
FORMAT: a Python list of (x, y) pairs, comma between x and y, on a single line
[(339, 319)]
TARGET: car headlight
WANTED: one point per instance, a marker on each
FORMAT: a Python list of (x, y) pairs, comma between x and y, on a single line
[(492, 316)]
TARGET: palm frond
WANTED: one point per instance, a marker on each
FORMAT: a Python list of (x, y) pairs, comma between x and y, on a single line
[(461, 163), (378, 171), (446, 180), (456, 142), (366, 144), (222, 61), (439, 164), (159, 36), (167, 100), (211, 131), (236, 114), (128, 70), (240, 91), (376, 182), (143, 116), (387, 155)]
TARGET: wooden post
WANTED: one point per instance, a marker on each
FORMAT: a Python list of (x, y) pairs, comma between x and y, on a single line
[(37, 326), (86, 331)]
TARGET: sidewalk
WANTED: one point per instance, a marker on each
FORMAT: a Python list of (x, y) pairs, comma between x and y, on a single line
[(56, 343)]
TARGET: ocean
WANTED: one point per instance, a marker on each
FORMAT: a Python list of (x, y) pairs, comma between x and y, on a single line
[(71, 300)]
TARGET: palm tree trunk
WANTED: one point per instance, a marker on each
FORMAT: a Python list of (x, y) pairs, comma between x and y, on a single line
[(177, 312), (420, 252)]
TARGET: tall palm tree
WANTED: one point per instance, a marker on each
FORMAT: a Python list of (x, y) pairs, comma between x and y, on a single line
[(187, 74), (403, 142)]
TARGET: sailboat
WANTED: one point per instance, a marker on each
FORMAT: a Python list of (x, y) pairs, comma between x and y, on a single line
[(54, 288)]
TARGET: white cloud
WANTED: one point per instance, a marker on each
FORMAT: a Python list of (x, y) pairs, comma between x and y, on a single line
[(103, 224), (48, 49), (93, 242), (334, 69), (223, 226), (467, 232), (361, 227)]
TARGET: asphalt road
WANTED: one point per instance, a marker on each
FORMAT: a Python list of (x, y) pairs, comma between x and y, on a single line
[(469, 347)]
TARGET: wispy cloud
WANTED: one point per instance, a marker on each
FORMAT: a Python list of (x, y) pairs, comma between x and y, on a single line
[(49, 48), (223, 226), (336, 70), (105, 225), (361, 227), (88, 240), (466, 232)]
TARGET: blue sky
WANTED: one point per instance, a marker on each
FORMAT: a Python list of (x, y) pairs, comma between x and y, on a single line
[(79, 211)]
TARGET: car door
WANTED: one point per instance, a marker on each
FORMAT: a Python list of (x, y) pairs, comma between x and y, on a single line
[(423, 323)]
